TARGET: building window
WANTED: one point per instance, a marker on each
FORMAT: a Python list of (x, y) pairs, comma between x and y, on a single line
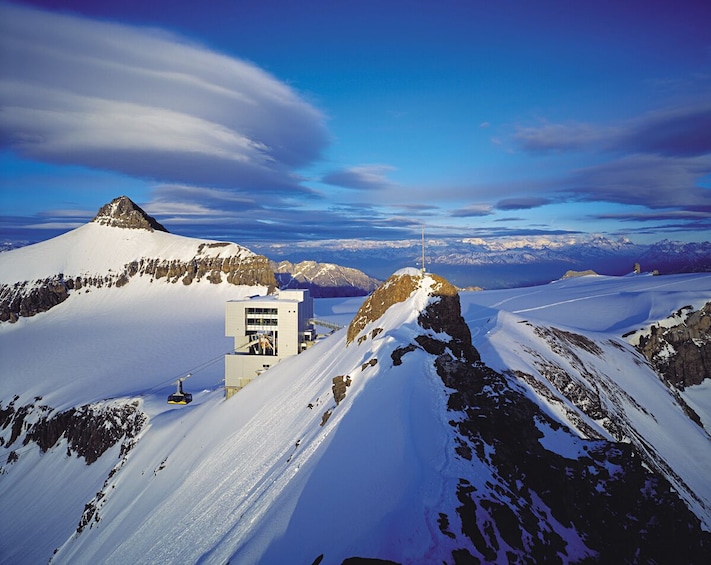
[(262, 322), (268, 311)]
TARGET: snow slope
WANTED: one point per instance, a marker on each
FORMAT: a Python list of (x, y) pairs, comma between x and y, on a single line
[(258, 478), (97, 249)]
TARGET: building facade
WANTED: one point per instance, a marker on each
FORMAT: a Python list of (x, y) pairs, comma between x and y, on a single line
[(266, 329)]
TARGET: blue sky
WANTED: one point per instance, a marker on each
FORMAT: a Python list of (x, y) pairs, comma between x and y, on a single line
[(258, 121)]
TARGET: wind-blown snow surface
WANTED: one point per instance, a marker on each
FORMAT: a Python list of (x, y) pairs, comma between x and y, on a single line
[(257, 478)]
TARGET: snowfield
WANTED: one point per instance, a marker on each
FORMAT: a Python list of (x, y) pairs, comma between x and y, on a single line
[(97, 249), (262, 478)]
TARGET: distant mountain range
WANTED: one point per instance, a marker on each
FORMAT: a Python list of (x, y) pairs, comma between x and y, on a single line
[(504, 262), (324, 280), (353, 267)]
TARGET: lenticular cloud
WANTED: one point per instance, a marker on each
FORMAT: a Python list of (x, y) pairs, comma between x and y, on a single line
[(146, 103)]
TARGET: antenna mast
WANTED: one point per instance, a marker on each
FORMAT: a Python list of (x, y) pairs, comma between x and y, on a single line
[(423, 251)]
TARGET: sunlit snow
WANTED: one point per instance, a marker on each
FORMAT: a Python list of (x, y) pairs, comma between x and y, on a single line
[(257, 478)]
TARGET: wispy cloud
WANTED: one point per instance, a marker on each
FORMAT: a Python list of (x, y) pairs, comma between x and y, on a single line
[(649, 180), (551, 137), (522, 203), (655, 216), (361, 177), (657, 160), (473, 211), (677, 131), (146, 103), (673, 132)]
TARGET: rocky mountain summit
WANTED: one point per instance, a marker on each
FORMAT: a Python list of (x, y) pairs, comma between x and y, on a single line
[(122, 212), (138, 246)]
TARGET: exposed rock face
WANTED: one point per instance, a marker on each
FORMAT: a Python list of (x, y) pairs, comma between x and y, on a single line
[(397, 288), (572, 274), (89, 430), (26, 299), (600, 504), (122, 212), (681, 353), (324, 280)]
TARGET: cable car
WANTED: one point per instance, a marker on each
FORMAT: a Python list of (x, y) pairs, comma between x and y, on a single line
[(180, 397)]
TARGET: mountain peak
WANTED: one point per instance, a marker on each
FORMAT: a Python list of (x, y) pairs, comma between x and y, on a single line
[(122, 212), (399, 288)]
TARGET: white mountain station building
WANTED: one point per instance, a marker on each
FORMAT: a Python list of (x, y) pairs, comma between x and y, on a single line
[(266, 329)]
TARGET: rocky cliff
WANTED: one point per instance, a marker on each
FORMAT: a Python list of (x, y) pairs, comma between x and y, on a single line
[(89, 431), (680, 349)]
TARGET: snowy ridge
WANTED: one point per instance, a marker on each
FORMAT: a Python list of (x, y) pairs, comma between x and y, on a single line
[(94, 249), (236, 502), (405, 467)]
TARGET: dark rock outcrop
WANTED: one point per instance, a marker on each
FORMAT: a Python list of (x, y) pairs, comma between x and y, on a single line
[(25, 299), (89, 430), (681, 354), (122, 212), (28, 298)]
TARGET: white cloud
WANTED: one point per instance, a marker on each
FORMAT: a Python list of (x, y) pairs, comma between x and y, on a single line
[(561, 137), (472, 211), (361, 177), (146, 103)]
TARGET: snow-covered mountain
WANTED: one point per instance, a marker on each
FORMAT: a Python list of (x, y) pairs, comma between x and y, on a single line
[(324, 280), (123, 243), (503, 262), (499, 425)]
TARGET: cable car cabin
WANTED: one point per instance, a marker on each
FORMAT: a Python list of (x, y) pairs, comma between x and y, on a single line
[(180, 397)]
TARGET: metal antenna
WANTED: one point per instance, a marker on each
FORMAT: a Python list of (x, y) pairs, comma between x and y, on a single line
[(423, 251)]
